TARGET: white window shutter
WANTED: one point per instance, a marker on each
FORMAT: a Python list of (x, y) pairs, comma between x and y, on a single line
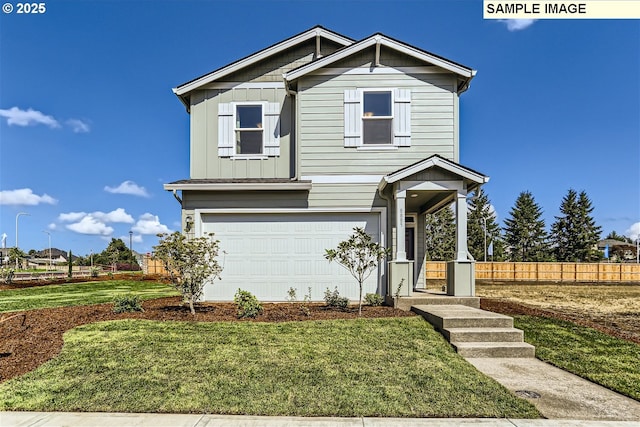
[(272, 129), (225, 130), (402, 119), (352, 119)]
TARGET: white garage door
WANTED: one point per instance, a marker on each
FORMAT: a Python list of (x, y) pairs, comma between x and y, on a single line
[(267, 254)]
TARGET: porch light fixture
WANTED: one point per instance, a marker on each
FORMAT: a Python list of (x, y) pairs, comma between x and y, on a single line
[(413, 195)]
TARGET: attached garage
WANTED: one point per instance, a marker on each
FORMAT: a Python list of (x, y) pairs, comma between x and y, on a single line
[(268, 253)]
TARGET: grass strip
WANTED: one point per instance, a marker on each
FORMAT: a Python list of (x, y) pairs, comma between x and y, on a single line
[(586, 352), (397, 367), (73, 294)]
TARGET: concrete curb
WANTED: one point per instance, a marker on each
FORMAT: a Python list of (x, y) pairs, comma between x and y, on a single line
[(91, 419)]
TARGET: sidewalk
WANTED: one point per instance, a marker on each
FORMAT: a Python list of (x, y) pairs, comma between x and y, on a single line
[(92, 419)]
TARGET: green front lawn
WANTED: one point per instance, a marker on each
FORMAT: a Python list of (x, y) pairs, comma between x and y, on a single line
[(588, 353), (79, 294), (398, 367)]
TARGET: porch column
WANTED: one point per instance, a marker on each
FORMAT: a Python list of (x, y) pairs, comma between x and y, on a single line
[(462, 249), (401, 253)]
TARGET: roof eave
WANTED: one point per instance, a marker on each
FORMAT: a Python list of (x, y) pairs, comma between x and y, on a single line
[(257, 186), (260, 55)]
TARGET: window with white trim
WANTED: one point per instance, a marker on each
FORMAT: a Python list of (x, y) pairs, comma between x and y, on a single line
[(248, 129), (377, 118)]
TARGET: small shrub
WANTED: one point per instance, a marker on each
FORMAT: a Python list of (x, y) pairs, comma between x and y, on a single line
[(94, 272), (291, 295), (333, 299), (304, 307), (6, 275), (248, 305), (127, 304), (373, 300)]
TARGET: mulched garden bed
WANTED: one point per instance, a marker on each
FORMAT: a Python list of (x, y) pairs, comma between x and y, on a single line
[(30, 338)]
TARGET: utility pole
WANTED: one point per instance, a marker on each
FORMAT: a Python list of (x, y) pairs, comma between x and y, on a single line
[(130, 240), (484, 224)]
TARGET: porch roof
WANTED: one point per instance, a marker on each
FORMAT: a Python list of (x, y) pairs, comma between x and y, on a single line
[(471, 177)]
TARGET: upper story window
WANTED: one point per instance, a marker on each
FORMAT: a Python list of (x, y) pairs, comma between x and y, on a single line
[(248, 129), (377, 117)]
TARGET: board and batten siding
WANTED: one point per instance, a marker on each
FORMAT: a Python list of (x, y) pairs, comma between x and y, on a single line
[(434, 108), (205, 161)]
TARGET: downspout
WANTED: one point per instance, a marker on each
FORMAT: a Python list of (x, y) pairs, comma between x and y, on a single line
[(294, 120), (175, 194)]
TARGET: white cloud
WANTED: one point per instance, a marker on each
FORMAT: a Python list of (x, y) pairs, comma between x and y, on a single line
[(95, 223), (90, 225), (52, 226), (30, 117), (24, 196), (78, 126), (135, 238), (517, 24), (128, 187), (118, 215), (150, 224), (634, 231)]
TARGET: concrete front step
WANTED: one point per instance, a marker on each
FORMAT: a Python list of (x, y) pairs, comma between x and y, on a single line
[(460, 316), (494, 349), (428, 298), (477, 333), (461, 335)]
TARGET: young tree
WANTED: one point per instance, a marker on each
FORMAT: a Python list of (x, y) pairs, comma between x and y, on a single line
[(480, 213), (524, 231), (440, 235), (359, 255), (189, 262), (16, 256)]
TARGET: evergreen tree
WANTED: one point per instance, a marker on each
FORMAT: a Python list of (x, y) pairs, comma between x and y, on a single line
[(524, 231), (574, 233), (590, 232), (479, 213), (615, 236), (440, 235)]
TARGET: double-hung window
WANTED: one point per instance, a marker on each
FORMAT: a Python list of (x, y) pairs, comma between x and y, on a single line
[(248, 129), (377, 117)]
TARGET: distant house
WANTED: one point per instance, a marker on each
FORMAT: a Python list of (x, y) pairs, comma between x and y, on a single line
[(619, 251), (295, 145)]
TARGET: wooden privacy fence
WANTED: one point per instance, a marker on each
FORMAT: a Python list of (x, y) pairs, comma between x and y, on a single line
[(152, 266), (544, 271)]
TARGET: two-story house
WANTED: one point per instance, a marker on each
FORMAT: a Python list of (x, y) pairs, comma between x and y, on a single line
[(295, 145)]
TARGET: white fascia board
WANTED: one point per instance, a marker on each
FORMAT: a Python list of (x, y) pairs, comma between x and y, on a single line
[(359, 46), (258, 186), (429, 163), (263, 54), (382, 69)]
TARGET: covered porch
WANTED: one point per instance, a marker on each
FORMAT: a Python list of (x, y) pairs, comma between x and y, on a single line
[(413, 192)]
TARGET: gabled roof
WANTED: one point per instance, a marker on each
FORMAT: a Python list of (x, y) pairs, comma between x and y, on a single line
[(472, 177), (463, 71), (260, 55)]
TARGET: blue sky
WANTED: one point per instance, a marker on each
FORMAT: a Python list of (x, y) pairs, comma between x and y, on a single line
[(90, 130)]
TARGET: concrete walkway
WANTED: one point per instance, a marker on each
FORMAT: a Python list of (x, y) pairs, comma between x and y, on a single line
[(62, 419), (560, 395)]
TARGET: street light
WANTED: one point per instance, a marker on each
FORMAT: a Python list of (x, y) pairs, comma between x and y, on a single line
[(18, 216), (49, 234)]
